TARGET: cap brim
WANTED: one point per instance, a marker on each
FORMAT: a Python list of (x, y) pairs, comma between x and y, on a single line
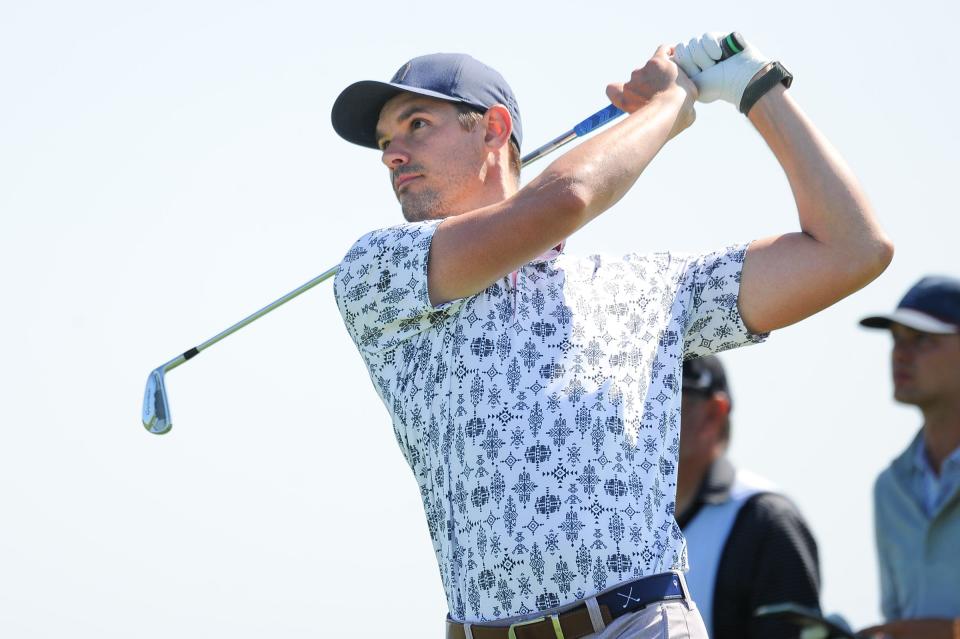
[(911, 319), (357, 109)]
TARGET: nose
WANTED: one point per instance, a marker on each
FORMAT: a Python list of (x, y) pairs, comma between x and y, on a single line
[(903, 350), (394, 156)]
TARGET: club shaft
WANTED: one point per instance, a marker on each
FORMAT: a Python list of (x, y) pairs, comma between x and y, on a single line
[(552, 145), (596, 120), (183, 357)]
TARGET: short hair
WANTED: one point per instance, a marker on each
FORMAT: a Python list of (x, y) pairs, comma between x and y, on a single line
[(470, 116)]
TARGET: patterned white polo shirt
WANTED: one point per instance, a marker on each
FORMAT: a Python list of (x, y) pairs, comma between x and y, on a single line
[(540, 417)]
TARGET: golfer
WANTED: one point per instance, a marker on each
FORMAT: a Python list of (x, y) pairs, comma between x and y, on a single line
[(536, 395)]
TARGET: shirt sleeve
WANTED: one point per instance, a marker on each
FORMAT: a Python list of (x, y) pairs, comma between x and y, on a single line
[(711, 286), (381, 287)]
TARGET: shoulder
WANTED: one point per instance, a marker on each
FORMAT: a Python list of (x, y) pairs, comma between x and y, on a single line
[(888, 494), (771, 505), (409, 235), (884, 482), (390, 250), (898, 469), (731, 257), (772, 512)]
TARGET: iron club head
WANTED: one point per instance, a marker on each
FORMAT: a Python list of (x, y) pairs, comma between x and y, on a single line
[(156, 410)]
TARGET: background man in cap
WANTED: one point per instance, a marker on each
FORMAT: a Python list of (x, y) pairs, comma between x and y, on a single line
[(748, 545), (917, 498), (535, 395)]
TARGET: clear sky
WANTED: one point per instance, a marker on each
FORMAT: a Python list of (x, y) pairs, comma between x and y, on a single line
[(168, 168)]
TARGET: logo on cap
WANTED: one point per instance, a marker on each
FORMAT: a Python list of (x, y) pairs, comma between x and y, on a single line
[(401, 73)]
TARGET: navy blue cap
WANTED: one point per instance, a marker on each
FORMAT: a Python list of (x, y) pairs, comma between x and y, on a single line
[(931, 306), (455, 77)]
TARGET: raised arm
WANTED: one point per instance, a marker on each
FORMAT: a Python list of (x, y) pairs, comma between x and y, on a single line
[(472, 250), (841, 247)]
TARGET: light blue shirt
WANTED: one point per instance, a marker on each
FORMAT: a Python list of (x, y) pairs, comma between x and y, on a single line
[(917, 527)]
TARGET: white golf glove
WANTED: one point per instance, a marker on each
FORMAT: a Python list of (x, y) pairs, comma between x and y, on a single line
[(733, 80)]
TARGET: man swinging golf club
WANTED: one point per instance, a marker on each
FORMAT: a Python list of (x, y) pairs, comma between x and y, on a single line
[(536, 395)]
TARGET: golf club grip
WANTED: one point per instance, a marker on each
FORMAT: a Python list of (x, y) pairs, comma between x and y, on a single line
[(731, 45)]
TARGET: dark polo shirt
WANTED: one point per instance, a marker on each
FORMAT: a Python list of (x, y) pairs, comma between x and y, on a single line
[(770, 557)]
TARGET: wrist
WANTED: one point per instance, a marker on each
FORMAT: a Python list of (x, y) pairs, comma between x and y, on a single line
[(767, 104), (674, 96), (772, 76), (677, 99)]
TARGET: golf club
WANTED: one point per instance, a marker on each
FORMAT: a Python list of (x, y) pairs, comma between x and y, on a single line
[(156, 406)]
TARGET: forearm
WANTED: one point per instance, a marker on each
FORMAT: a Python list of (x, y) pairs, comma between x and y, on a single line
[(603, 168)]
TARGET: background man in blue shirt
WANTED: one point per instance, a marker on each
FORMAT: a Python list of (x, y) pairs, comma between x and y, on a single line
[(917, 499)]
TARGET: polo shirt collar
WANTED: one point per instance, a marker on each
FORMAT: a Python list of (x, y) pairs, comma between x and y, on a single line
[(715, 488), (717, 483), (550, 254), (921, 463)]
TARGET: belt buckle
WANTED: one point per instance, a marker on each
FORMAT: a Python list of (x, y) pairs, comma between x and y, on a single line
[(557, 630)]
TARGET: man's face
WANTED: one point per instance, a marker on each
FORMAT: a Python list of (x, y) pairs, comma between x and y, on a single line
[(698, 428), (436, 166), (926, 366), (691, 420)]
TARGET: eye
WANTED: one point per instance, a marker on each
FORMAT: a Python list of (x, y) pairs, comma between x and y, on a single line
[(383, 144), (418, 123)]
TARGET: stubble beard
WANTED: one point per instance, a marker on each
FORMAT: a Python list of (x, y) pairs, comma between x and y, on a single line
[(419, 205), (424, 205)]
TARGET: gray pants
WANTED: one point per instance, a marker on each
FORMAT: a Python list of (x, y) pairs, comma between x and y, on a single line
[(666, 620)]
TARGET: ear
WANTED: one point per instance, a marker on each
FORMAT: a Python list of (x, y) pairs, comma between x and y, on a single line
[(717, 410), (721, 403), (497, 127)]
